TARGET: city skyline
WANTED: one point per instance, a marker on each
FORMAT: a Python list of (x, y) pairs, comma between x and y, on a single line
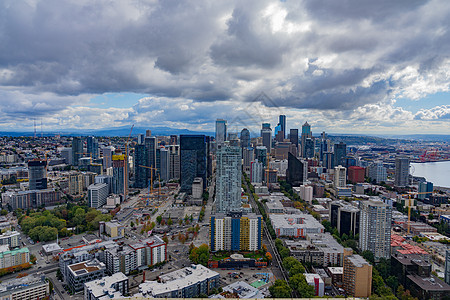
[(358, 67)]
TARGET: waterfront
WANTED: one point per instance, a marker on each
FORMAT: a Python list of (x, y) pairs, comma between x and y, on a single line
[(436, 172)]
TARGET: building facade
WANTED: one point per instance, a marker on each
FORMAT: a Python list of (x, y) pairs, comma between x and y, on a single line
[(228, 179)]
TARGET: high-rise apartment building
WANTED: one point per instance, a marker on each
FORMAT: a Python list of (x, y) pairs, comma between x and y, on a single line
[(164, 164), (77, 150), (37, 174), (306, 133), (236, 232), (118, 173), (248, 154), (140, 173), (425, 190), (375, 228), (356, 174), (193, 160), (401, 178), (377, 172), (174, 161), (340, 176), (92, 147), (97, 194), (221, 131), (357, 276), (228, 178)]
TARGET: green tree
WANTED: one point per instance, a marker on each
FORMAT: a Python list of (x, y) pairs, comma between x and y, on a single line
[(200, 255), (298, 282), (4, 212), (159, 219), (368, 255), (169, 222), (280, 289)]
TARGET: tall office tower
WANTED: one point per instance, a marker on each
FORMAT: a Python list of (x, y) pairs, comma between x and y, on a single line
[(261, 156), (118, 162), (340, 152), (164, 164), (193, 160), (306, 133), (77, 150), (140, 139), (209, 156), (221, 131), (173, 139), (377, 172), (140, 173), (174, 161), (447, 267), (375, 228), (425, 187), (340, 177), (297, 171), (92, 147), (401, 171), (236, 232), (282, 122), (97, 194), (66, 153), (148, 133), (328, 160), (248, 156), (151, 144), (293, 137), (37, 174), (309, 148), (323, 145), (245, 138), (107, 153), (266, 134), (228, 179)]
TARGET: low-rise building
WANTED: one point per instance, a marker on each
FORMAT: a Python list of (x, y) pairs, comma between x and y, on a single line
[(295, 225), (28, 287), (115, 286), (80, 273), (336, 274), (52, 249), (112, 229), (188, 282), (316, 281), (241, 290)]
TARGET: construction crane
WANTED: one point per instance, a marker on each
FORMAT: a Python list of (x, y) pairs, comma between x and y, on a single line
[(410, 205), (125, 177), (150, 190)]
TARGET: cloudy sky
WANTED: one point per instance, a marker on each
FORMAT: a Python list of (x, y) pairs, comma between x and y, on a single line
[(348, 66)]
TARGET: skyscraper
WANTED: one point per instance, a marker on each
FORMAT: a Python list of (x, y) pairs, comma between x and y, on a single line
[(266, 134), (296, 172), (221, 131), (228, 179), (118, 161), (37, 174), (340, 177), (248, 154), (425, 187), (282, 122), (375, 228), (164, 164), (340, 152), (401, 178), (140, 173), (293, 137), (174, 161), (92, 147), (245, 138), (193, 160), (77, 150), (151, 145), (306, 133), (308, 148)]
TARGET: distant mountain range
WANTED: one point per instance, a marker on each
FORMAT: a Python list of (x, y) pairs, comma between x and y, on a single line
[(125, 130)]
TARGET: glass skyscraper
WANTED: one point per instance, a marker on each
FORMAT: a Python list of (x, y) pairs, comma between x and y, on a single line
[(193, 160), (221, 131)]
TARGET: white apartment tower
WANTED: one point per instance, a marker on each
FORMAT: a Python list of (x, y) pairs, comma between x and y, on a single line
[(228, 178), (340, 176)]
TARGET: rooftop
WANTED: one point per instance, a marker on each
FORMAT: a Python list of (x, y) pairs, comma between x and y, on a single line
[(104, 286), (86, 267), (431, 283), (357, 260)]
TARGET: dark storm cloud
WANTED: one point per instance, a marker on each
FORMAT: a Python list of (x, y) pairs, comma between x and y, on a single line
[(304, 54)]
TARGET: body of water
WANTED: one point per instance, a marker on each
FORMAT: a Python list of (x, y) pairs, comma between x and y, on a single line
[(436, 172)]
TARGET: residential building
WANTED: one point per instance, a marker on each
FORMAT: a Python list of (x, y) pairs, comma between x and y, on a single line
[(345, 217), (140, 173), (120, 259), (340, 177), (164, 164), (447, 267), (37, 174), (76, 183), (12, 258), (357, 276), (29, 287), (236, 232), (375, 228), (10, 238), (316, 281), (425, 190), (118, 162), (340, 152), (32, 199), (174, 161), (80, 273), (97, 194), (401, 178), (228, 178), (377, 172), (115, 286), (189, 282), (197, 188), (106, 179), (150, 251), (295, 225), (92, 147), (112, 229), (248, 155), (77, 150), (256, 171)]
